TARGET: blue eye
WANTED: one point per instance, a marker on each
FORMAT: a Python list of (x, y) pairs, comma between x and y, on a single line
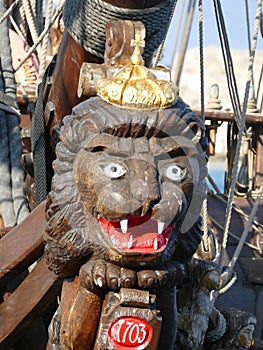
[(175, 173), (114, 170)]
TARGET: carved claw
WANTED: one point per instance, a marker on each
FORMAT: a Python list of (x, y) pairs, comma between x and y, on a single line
[(168, 276), (128, 278), (99, 274), (147, 279), (88, 279)]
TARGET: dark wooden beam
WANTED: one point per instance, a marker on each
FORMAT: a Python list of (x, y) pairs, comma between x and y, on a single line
[(26, 303), (23, 245)]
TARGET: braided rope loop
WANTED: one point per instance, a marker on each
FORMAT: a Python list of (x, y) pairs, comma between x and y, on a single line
[(85, 20)]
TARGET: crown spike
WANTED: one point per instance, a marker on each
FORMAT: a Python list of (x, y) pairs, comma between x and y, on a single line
[(136, 58)]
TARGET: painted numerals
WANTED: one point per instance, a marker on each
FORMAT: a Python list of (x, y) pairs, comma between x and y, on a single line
[(129, 332)]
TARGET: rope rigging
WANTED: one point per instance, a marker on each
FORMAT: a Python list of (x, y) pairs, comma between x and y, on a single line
[(13, 202), (241, 119), (34, 13)]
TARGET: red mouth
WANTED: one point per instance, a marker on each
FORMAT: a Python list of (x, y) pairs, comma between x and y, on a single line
[(137, 234)]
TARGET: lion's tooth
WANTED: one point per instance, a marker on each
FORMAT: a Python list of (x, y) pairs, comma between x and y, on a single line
[(124, 225), (155, 244), (130, 242), (180, 202), (160, 227)]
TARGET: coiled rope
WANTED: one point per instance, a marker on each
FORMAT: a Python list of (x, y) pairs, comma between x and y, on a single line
[(85, 20)]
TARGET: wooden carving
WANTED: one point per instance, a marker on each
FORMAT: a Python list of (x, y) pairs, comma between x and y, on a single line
[(196, 306), (239, 332), (125, 201)]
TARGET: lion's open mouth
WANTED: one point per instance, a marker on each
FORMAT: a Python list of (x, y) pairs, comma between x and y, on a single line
[(138, 234)]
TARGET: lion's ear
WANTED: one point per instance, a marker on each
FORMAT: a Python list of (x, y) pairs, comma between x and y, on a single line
[(98, 142), (193, 131)]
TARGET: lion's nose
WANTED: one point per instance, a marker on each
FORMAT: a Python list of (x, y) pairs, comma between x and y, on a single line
[(147, 194)]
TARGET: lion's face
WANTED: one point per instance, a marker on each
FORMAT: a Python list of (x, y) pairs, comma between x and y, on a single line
[(128, 186), (136, 189)]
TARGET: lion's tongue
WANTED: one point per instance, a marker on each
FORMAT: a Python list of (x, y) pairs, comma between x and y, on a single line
[(141, 236)]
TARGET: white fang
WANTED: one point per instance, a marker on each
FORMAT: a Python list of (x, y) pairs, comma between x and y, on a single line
[(130, 243), (155, 244), (160, 227), (124, 225)]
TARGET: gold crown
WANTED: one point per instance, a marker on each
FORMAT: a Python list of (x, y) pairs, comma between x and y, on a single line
[(135, 86)]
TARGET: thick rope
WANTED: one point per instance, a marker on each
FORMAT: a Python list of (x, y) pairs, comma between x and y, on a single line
[(201, 53), (20, 18), (33, 8), (160, 49), (248, 34), (41, 36), (10, 109), (7, 12), (31, 20), (205, 237), (17, 29), (39, 15), (229, 284), (43, 57), (5, 184), (38, 138), (240, 133), (260, 102), (251, 169), (13, 202), (85, 20)]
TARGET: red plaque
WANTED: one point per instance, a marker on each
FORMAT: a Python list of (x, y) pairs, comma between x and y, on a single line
[(130, 332)]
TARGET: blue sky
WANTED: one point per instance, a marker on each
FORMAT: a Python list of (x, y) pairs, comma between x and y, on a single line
[(235, 20)]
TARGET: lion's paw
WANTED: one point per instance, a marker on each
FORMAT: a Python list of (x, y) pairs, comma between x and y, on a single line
[(169, 275), (99, 274)]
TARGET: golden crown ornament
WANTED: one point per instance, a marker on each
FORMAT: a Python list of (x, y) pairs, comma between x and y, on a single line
[(135, 86)]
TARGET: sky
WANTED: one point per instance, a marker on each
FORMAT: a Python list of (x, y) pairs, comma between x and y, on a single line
[(235, 21)]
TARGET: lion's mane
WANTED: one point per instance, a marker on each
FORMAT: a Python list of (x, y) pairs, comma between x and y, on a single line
[(67, 245)]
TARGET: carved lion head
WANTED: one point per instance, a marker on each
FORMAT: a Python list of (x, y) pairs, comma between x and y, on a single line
[(128, 186)]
